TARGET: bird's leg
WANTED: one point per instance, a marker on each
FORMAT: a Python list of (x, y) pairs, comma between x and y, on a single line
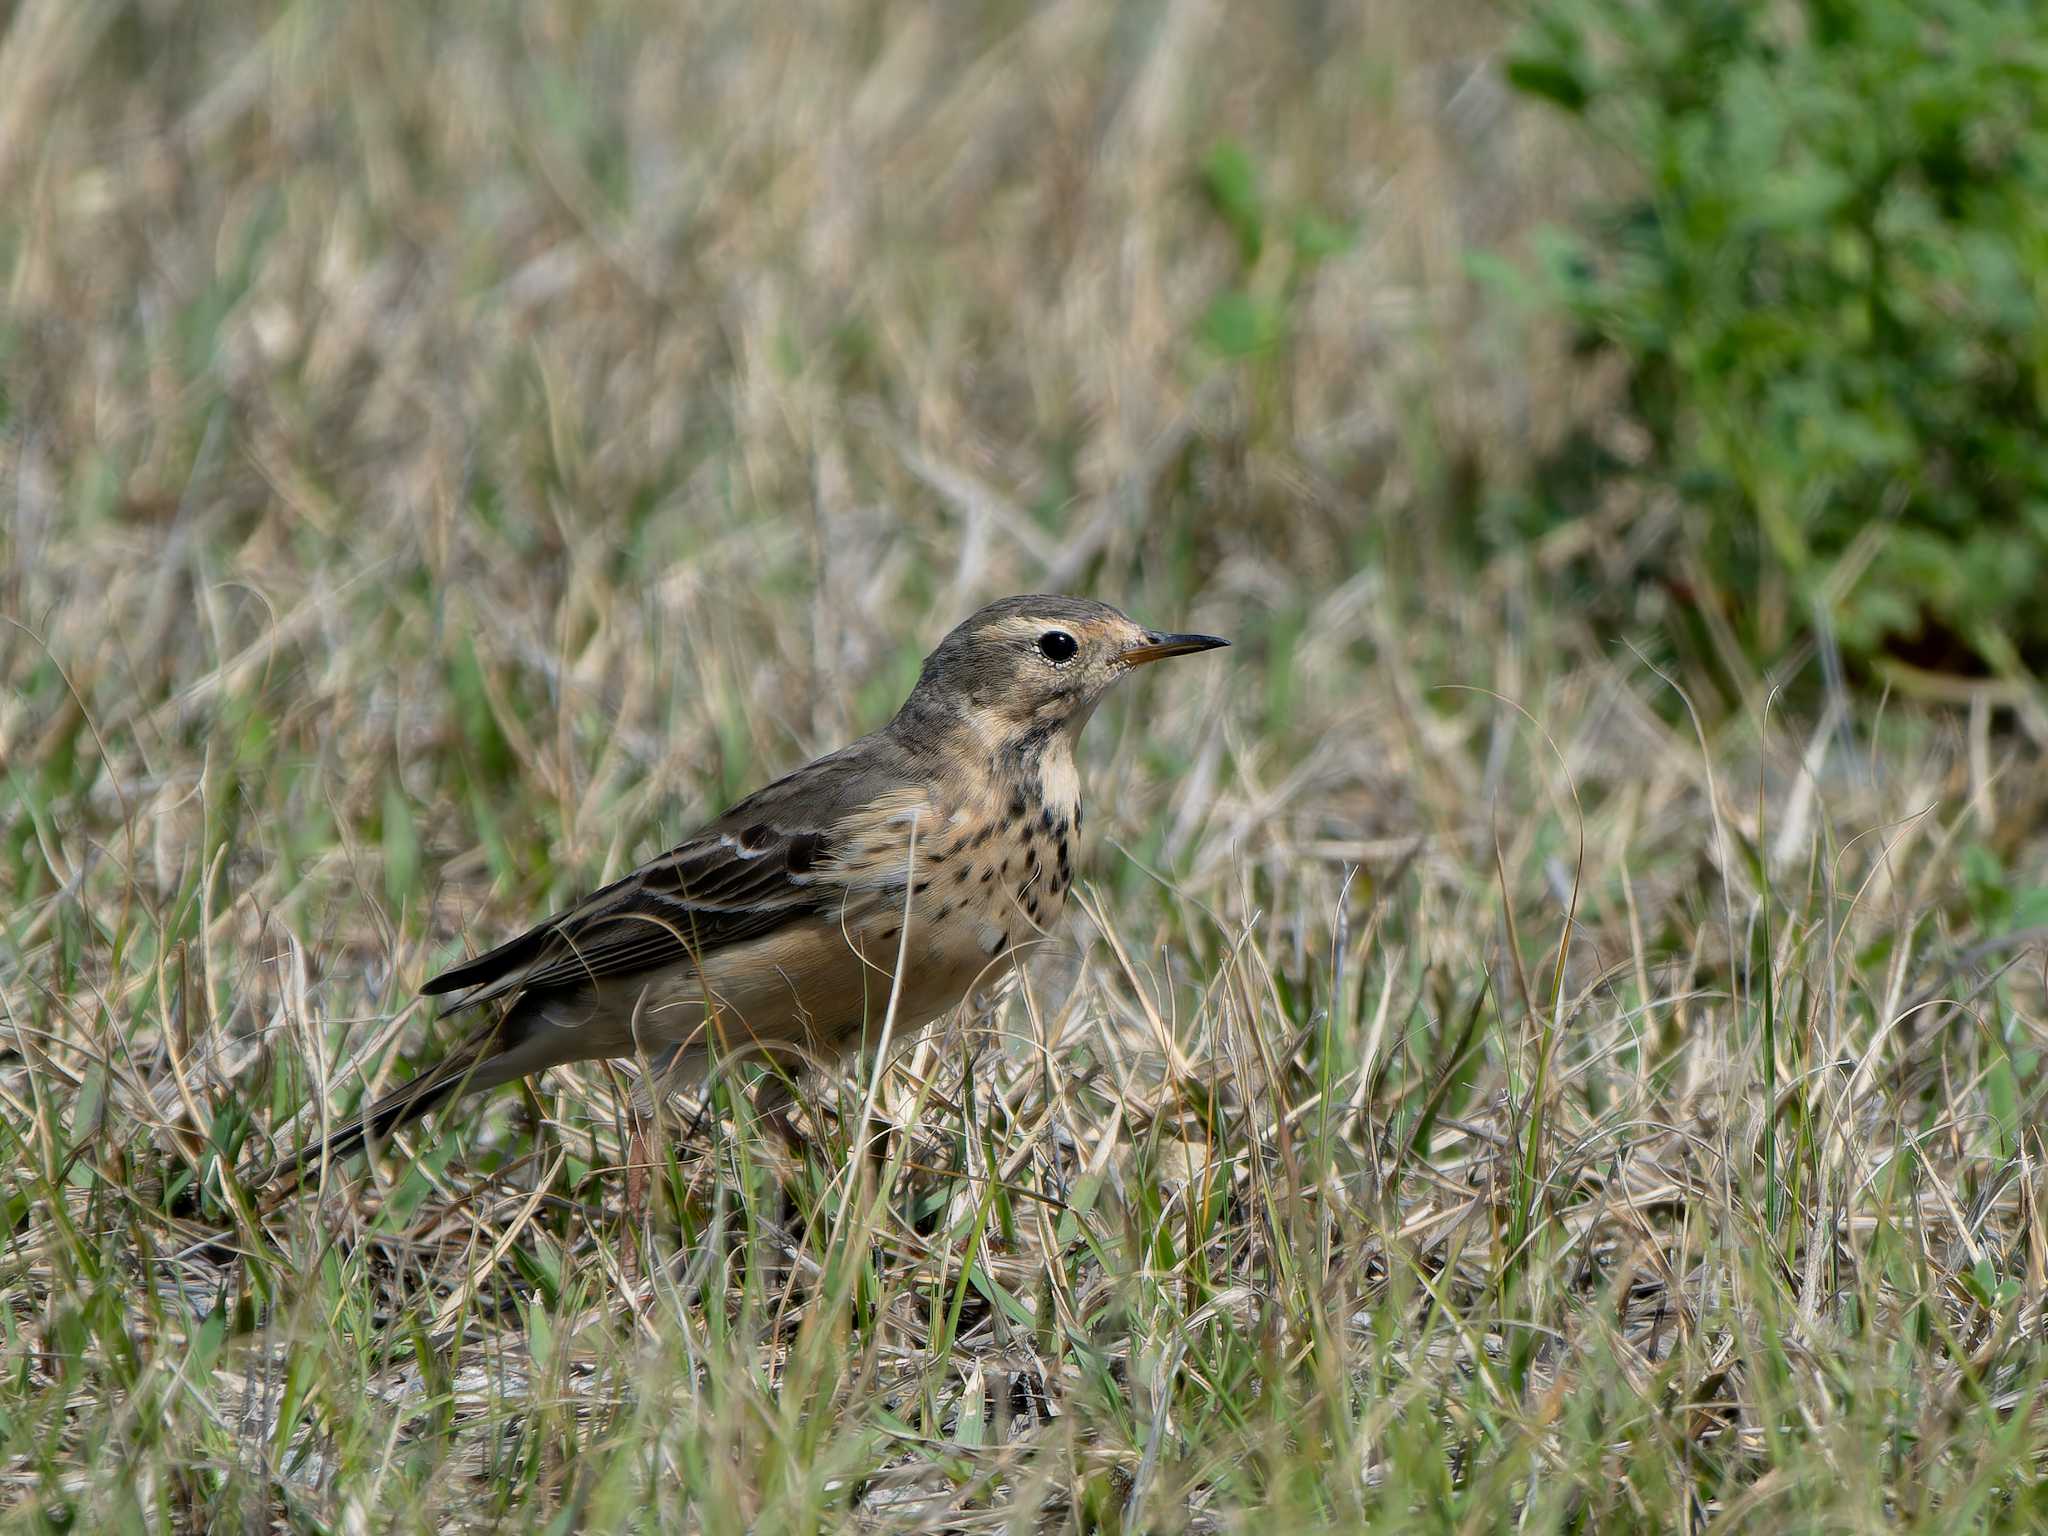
[(639, 1169), (643, 1156), (774, 1100)]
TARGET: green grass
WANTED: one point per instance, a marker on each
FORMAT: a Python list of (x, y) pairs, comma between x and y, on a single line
[(1491, 1084)]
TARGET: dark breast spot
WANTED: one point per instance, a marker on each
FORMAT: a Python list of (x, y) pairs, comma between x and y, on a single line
[(1017, 806), (1045, 818), (960, 878), (987, 875)]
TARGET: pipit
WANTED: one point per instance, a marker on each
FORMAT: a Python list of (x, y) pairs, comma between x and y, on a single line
[(887, 880)]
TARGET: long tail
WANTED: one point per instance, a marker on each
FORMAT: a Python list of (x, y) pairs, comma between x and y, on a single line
[(500, 1053)]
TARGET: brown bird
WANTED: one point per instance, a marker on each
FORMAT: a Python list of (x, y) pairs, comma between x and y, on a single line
[(941, 844)]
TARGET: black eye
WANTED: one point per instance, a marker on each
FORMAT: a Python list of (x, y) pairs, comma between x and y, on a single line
[(1056, 646)]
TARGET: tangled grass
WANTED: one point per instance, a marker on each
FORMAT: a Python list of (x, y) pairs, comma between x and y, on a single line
[(1499, 1077)]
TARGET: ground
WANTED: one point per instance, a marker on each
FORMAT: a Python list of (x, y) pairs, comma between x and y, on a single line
[(1497, 1072)]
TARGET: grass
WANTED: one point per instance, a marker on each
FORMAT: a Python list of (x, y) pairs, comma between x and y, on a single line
[(1502, 1077)]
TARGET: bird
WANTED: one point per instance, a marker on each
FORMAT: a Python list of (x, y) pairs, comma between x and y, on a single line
[(886, 880)]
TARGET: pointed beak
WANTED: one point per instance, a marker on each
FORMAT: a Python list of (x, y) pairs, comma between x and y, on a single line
[(1158, 647)]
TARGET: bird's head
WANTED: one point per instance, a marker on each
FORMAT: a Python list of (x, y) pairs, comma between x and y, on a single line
[(1038, 664)]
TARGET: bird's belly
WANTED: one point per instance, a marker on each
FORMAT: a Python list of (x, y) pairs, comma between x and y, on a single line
[(815, 988), (986, 890)]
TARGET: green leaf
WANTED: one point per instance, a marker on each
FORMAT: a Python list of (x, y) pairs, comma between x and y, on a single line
[(1550, 77), (540, 1336), (1238, 325), (2030, 907), (401, 846), (1231, 181)]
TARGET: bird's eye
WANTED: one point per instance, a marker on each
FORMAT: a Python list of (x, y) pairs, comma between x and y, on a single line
[(1056, 646)]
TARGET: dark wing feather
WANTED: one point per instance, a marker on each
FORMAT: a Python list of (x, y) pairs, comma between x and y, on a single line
[(701, 896), (761, 865)]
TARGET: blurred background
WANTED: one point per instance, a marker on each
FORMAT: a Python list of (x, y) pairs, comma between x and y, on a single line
[(478, 446), (652, 384), (481, 444), (449, 451)]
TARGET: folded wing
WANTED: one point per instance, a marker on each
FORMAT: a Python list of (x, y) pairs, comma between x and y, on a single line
[(767, 862)]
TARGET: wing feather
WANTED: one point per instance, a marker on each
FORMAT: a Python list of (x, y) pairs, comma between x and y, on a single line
[(771, 860)]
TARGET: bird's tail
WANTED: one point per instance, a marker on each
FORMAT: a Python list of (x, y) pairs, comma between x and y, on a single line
[(499, 1053)]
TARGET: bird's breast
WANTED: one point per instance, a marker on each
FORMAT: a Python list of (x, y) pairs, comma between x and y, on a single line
[(991, 881), (984, 881)]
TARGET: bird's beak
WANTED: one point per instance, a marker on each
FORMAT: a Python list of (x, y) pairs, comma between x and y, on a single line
[(1158, 647)]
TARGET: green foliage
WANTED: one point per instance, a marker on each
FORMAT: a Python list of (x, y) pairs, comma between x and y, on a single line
[(1251, 316), (1829, 293)]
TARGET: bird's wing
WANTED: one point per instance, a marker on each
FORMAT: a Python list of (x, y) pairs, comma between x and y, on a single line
[(773, 859)]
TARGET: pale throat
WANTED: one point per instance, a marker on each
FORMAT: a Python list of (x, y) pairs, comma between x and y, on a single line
[(1038, 764), (1059, 782)]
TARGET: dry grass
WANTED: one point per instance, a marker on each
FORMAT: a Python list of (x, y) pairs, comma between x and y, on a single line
[(447, 457)]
